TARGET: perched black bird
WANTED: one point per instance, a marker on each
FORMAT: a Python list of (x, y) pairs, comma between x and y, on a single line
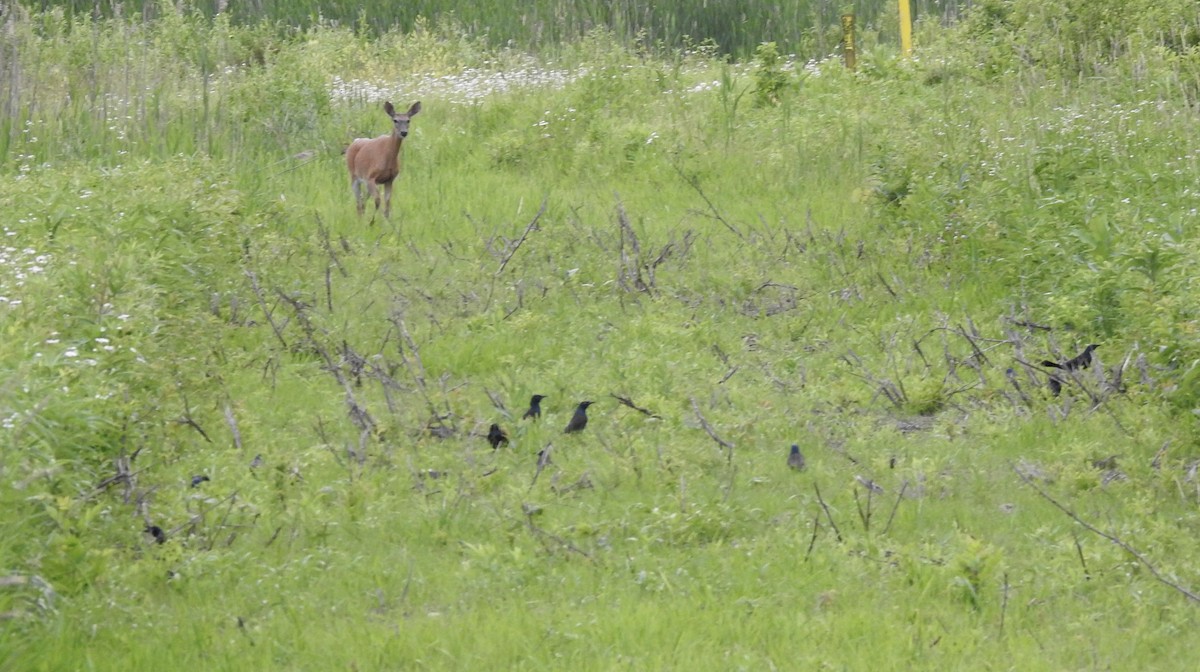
[(1055, 386), (535, 407), (795, 459), (496, 436), (1081, 361), (198, 479), (157, 532), (579, 420), (256, 462)]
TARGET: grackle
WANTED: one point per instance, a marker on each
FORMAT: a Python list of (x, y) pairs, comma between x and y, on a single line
[(579, 420), (1081, 361), (198, 479), (1055, 386), (535, 407), (158, 534), (795, 459), (496, 436)]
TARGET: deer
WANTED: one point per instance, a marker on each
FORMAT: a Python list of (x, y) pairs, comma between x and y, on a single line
[(377, 161)]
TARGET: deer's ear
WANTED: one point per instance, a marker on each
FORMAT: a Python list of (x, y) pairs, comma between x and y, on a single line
[(416, 107), (387, 107)]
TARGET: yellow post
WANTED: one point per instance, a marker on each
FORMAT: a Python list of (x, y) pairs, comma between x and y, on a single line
[(848, 41), (905, 28)]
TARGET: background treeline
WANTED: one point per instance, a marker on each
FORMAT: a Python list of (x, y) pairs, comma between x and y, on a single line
[(808, 27), (1081, 33)]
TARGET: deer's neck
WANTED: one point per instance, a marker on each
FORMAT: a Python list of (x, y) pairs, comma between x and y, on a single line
[(395, 144)]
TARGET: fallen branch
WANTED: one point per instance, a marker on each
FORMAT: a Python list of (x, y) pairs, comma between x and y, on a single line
[(708, 428), (629, 402), (543, 535), (1189, 594)]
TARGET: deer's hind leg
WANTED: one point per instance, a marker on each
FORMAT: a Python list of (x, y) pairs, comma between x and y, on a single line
[(356, 187)]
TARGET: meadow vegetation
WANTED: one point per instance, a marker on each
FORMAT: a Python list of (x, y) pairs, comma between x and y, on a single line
[(756, 251)]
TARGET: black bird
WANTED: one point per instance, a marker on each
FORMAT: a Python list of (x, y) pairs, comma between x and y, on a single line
[(535, 407), (256, 462), (1081, 361), (157, 532), (579, 420), (795, 459), (496, 436), (198, 479), (1055, 386)]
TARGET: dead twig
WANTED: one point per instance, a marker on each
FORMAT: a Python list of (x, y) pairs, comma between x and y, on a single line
[(813, 542), (1158, 457), (864, 515), (1087, 576), (1032, 325), (543, 461), (892, 515), (187, 419), (267, 312), (1004, 604), (630, 275), (233, 427), (521, 241), (498, 403), (828, 515)]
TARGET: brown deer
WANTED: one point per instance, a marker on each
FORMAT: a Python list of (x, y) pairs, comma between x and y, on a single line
[(376, 161)]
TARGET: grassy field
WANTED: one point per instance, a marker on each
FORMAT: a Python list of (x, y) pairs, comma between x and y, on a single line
[(751, 253)]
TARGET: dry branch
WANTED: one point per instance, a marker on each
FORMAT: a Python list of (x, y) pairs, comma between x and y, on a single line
[(630, 276), (892, 515), (1189, 594), (543, 535), (708, 428), (262, 304), (521, 241), (629, 402), (694, 183), (233, 426), (828, 514)]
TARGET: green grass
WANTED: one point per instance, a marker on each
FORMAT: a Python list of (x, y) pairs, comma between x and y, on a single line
[(847, 262)]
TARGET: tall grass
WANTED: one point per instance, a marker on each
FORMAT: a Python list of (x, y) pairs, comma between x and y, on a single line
[(804, 27)]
